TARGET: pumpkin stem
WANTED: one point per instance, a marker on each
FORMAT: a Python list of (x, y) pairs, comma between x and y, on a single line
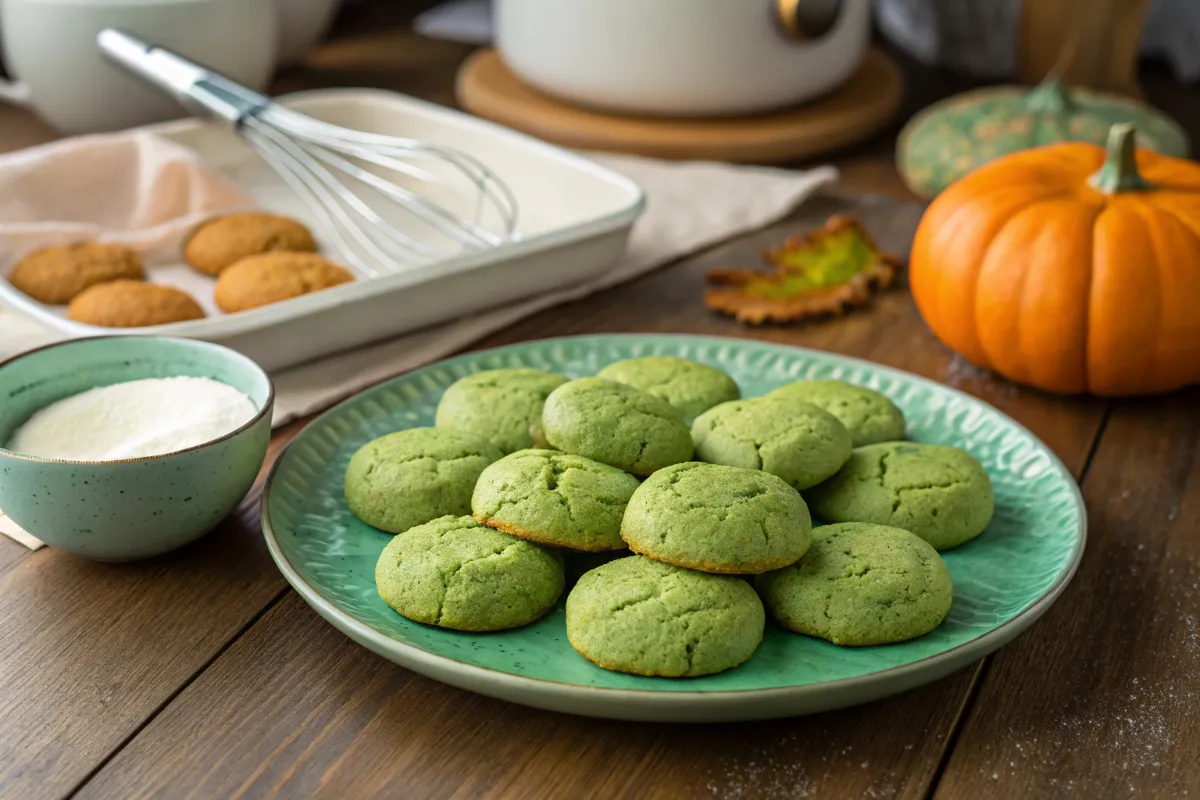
[(1119, 172), (1051, 96)]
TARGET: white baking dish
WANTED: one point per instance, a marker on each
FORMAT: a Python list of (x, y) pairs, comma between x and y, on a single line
[(575, 217)]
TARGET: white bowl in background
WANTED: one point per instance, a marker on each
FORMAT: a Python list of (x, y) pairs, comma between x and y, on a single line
[(683, 57), (51, 47)]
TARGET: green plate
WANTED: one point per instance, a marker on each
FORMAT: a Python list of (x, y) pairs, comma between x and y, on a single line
[(1003, 580)]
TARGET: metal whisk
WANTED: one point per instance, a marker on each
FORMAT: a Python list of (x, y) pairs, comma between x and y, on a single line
[(379, 224)]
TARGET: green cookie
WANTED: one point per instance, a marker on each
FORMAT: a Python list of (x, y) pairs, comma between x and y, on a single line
[(617, 425), (941, 494), (868, 416), (553, 498), (640, 616), (412, 476), (799, 442), (861, 584), (455, 573), (503, 406), (717, 519), (691, 387)]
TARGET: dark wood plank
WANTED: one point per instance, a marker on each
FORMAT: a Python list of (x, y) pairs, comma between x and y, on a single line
[(89, 651), (11, 554), (1102, 697), (296, 710), (343, 722), (19, 128), (387, 58)]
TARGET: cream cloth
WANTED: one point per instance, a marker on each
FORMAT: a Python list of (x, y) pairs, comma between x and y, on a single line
[(134, 188), (690, 206)]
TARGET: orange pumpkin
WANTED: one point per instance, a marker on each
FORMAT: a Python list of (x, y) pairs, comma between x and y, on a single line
[(1069, 268)]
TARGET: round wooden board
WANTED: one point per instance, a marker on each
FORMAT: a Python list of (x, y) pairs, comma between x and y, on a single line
[(849, 114)]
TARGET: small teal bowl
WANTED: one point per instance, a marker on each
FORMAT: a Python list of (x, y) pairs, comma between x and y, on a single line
[(138, 507)]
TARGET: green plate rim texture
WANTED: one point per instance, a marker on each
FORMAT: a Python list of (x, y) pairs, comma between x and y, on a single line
[(664, 699)]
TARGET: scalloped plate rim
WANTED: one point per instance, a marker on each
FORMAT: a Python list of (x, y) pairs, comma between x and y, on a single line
[(679, 706)]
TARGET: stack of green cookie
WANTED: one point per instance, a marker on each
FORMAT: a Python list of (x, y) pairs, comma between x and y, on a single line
[(444, 568), (526, 467), (678, 608)]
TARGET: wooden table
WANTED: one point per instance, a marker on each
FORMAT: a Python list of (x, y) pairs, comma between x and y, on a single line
[(202, 674)]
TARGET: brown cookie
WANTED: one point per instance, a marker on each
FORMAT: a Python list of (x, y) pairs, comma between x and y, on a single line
[(222, 241), (55, 275), (133, 304), (270, 277)]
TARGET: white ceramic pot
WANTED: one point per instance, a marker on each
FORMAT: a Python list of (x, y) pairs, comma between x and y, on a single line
[(683, 57), (302, 23), (51, 46)]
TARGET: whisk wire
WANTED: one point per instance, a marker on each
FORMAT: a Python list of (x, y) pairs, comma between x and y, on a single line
[(338, 138), (326, 195), (466, 233), (334, 169), (323, 204), (299, 160)]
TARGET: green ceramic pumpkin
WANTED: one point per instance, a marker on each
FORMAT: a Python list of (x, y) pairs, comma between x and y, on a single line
[(949, 139)]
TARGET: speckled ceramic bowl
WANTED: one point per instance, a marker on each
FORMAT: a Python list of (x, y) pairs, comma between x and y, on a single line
[(141, 507)]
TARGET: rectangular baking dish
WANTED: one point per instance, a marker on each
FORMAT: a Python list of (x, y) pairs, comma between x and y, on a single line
[(574, 220)]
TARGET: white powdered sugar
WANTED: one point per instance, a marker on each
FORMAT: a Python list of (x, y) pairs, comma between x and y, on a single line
[(135, 419)]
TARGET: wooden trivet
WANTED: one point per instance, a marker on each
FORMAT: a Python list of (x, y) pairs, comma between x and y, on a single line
[(849, 114)]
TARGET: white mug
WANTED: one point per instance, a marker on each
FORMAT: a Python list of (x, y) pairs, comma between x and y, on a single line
[(683, 57), (50, 45)]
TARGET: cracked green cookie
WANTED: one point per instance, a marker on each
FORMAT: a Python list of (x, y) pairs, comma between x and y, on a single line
[(941, 494), (799, 442), (647, 618), (717, 519), (553, 498), (617, 425), (412, 476), (503, 406), (868, 416), (455, 573), (861, 584), (691, 387)]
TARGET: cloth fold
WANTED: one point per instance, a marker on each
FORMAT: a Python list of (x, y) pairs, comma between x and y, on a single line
[(690, 206), (135, 188)]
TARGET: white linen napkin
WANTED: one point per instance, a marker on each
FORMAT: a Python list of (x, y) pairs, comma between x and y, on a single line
[(690, 206)]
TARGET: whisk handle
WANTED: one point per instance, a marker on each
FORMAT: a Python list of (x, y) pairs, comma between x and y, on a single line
[(226, 99), (202, 90)]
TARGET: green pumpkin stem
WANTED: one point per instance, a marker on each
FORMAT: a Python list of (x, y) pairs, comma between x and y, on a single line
[(1050, 96), (1119, 172)]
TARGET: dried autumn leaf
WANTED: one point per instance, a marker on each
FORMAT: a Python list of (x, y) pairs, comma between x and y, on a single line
[(825, 272)]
